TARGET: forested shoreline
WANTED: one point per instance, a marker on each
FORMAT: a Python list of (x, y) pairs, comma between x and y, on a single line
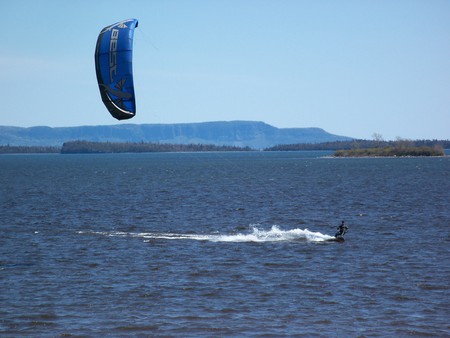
[(392, 152), (28, 150), (342, 148), (85, 147), (360, 144)]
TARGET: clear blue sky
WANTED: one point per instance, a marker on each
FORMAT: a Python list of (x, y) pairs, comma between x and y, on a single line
[(352, 68)]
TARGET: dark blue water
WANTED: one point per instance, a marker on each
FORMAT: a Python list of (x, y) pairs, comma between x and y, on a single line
[(223, 244)]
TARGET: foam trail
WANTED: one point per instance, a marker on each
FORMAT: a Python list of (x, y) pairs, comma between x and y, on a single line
[(275, 234)]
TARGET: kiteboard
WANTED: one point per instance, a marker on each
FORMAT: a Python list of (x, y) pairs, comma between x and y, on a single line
[(339, 236), (338, 239)]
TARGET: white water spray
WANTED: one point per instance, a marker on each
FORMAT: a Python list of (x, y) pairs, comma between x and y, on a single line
[(275, 234)]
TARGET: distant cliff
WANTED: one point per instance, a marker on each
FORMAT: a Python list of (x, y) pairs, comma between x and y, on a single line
[(256, 135)]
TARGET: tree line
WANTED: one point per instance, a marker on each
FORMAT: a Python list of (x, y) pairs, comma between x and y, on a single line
[(360, 144), (86, 147), (28, 149), (396, 151)]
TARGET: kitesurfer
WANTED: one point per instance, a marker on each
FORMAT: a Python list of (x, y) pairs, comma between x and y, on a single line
[(342, 229)]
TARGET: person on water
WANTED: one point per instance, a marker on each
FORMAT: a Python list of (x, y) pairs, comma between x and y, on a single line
[(342, 229)]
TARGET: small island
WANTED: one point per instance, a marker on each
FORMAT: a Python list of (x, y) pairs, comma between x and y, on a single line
[(392, 151)]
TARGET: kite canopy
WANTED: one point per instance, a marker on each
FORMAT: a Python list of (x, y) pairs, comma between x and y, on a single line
[(113, 65)]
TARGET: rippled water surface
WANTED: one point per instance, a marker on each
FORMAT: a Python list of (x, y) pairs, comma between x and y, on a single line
[(223, 244)]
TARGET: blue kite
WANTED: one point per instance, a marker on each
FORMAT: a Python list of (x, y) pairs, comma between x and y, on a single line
[(113, 65)]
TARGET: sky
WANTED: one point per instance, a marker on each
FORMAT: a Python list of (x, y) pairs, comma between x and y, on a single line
[(354, 68)]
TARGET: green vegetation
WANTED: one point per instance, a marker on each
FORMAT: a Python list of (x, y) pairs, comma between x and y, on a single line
[(391, 152), (354, 148), (359, 144), (376, 147), (28, 149), (85, 147), (399, 148)]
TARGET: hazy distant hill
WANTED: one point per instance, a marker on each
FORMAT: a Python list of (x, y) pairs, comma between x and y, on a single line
[(256, 135)]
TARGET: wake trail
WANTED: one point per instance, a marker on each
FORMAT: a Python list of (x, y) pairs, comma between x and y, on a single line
[(275, 234)]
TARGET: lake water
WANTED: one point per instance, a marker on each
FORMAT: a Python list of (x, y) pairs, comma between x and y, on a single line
[(223, 244)]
